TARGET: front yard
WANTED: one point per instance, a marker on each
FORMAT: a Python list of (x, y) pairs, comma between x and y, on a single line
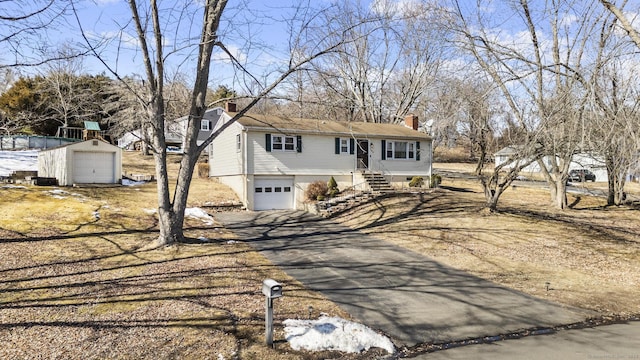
[(78, 281), (588, 256)]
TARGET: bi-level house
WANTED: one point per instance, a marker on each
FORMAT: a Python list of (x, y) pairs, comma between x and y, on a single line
[(270, 160)]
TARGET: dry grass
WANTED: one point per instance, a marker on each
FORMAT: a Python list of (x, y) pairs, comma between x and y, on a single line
[(590, 255), (78, 281)]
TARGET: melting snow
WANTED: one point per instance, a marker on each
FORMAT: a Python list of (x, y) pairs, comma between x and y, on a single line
[(127, 182), (11, 161), (333, 333), (194, 213), (198, 213)]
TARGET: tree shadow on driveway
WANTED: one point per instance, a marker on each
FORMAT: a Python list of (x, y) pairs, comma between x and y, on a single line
[(412, 298)]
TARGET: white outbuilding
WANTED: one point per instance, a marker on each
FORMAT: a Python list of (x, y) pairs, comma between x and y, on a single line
[(88, 162)]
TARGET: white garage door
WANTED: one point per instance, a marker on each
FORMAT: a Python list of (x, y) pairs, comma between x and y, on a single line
[(274, 194), (93, 167)]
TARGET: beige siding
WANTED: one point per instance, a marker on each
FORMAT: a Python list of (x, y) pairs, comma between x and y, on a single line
[(224, 158)]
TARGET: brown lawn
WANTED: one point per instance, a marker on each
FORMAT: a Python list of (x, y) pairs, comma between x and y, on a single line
[(588, 256), (78, 280)]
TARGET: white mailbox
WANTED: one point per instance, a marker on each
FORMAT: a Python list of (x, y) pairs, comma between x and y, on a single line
[(271, 289)]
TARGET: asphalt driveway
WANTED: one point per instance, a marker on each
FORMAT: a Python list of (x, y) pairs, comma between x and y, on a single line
[(408, 296)]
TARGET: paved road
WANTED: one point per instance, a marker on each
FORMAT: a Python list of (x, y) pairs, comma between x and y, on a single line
[(620, 342), (412, 298)]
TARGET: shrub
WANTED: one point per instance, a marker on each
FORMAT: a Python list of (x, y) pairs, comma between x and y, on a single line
[(332, 184), (316, 189), (203, 170), (333, 187), (435, 180), (416, 181)]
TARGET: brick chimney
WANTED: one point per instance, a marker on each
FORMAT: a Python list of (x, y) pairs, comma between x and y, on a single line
[(411, 121), (230, 107)]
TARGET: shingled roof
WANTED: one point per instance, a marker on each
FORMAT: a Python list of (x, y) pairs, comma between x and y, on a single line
[(326, 127)]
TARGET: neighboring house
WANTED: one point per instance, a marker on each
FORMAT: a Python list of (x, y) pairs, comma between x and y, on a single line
[(592, 162), (176, 130), (87, 162), (269, 161)]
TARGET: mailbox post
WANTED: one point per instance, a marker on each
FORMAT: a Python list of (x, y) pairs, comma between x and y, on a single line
[(271, 290)]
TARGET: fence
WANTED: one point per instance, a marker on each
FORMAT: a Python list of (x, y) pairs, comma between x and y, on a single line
[(25, 142)]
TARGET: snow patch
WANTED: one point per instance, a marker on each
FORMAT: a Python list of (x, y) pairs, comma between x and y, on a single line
[(127, 182), (333, 333), (11, 161), (13, 187), (198, 213), (194, 213)]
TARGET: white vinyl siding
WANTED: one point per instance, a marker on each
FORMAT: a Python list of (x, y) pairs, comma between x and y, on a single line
[(222, 161), (316, 158)]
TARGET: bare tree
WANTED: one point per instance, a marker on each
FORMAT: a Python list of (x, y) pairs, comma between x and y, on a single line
[(23, 31), (543, 72), (387, 66), (150, 22)]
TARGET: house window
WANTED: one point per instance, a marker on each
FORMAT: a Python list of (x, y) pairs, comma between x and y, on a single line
[(400, 150), (283, 143), (344, 146), (238, 139), (204, 125)]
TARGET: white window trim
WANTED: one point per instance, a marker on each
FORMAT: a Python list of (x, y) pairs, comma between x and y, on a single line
[(410, 152), (204, 125), (348, 146), (284, 143), (238, 142)]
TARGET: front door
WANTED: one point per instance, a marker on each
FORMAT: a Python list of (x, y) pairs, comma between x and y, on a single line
[(363, 154)]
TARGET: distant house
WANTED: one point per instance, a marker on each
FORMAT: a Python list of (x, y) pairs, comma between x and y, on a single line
[(594, 163), (270, 160), (88, 162), (175, 131)]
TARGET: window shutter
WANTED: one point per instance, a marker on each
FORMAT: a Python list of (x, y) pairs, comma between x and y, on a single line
[(210, 125), (384, 150), (337, 145), (267, 138), (417, 150), (299, 143), (352, 146)]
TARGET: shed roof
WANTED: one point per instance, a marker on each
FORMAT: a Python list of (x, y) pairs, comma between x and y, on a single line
[(326, 127), (77, 143), (91, 125)]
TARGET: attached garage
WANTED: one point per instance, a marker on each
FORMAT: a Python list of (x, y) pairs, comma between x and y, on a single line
[(88, 162), (273, 194)]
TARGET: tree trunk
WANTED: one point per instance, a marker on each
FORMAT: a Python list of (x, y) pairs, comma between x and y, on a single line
[(611, 180), (558, 193)]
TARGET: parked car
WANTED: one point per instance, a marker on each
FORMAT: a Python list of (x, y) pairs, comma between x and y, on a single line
[(581, 175)]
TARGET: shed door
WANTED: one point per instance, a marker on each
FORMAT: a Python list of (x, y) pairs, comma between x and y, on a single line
[(274, 194), (93, 167)]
